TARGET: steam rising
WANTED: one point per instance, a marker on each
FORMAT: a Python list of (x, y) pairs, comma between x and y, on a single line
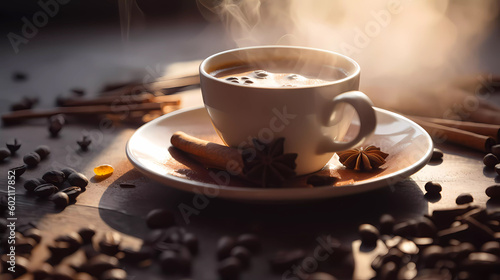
[(405, 41)]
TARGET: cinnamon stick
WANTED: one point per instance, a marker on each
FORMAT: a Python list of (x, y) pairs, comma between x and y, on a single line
[(121, 100), (475, 127), (166, 86), (211, 155), (458, 136)]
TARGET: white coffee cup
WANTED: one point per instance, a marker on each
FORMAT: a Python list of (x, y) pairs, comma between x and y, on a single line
[(313, 119)]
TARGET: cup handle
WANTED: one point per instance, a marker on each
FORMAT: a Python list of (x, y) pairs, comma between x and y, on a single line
[(363, 107)]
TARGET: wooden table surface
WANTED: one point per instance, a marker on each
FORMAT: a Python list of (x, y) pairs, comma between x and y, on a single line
[(56, 62)]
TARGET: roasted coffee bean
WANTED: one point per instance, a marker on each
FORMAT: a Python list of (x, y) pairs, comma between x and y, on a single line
[(110, 243), (78, 180), (32, 159), (431, 255), (72, 192), (136, 256), (25, 245), (388, 271), (386, 224), (497, 169), (87, 233), (13, 146), (224, 246), (283, 260), (83, 276), (4, 153), (60, 249), (242, 253), (33, 233), (368, 234), (21, 267), (319, 180), (464, 198), (393, 255), (54, 177), (490, 160), (425, 227), (493, 191), (172, 261), (42, 272), (31, 184), (495, 149), (320, 276), (55, 124), (60, 199), (408, 247), (68, 171), (19, 170), (43, 151), (481, 261), (63, 272), (97, 265), (191, 242), (160, 218), (437, 154), (432, 187), (249, 241), (45, 190), (114, 274), (73, 239), (229, 268)]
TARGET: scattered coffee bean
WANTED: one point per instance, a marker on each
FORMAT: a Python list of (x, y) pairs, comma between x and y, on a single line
[(60, 199), (54, 177), (160, 218), (84, 143), (54, 128), (97, 265), (43, 151), (4, 153), (464, 198), (110, 243), (242, 253), (32, 159), (386, 224), (368, 234), (87, 233), (320, 180), (490, 160), (229, 268), (191, 242), (19, 170), (31, 184), (136, 256), (114, 274), (432, 187), (63, 272), (224, 246), (493, 191), (249, 241), (25, 245), (45, 190), (42, 272), (13, 146), (169, 261), (437, 154), (321, 276), (492, 247), (496, 150), (78, 180), (68, 171), (283, 260), (73, 239), (72, 192), (34, 234), (388, 271)]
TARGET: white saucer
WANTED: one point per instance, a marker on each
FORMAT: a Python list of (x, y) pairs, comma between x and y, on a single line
[(149, 150)]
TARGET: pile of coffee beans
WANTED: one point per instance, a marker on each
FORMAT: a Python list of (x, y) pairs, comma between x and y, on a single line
[(234, 254), (60, 186)]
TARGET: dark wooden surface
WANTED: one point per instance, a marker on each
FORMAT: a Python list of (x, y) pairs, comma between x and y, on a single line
[(58, 60)]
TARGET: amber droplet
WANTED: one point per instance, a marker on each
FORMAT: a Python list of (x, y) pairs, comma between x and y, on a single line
[(103, 170)]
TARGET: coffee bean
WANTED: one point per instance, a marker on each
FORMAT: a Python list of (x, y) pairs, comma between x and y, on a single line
[(493, 191), (388, 271), (83, 276), (492, 247), (42, 272), (73, 239), (386, 224), (437, 154), (229, 268), (160, 218), (431, 255), (68, 171), (54, 177), (481, 262), (32, 159), (72, 192), (321, 276), (55, 124), (4, 153), (114, 274), (490, 160), (86, 233), (19, 170), (283, 260), (169, 261), (43, 151), (31, 184), (136, 256), (110, 243), (21, 267), (63, 272), (191, 242), (464, 198), (13, 146), (78, 180), (25, 245), (432, 187), (495, 149), (60, 249), (45, 190), (408, 247), (249, 241), (319, 180), (497, 168), (60, 199), (242, 253), (368, 234), (33, 233), (97, 265), (224, 246)]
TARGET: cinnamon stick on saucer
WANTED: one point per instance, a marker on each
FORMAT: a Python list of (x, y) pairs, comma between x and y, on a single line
[(210, 154), (458, 136)]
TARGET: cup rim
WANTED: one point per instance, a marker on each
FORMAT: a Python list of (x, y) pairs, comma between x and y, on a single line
[(339, 81)]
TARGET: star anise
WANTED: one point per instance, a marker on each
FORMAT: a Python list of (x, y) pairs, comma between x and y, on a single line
[(361, 159), (268, 165)]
